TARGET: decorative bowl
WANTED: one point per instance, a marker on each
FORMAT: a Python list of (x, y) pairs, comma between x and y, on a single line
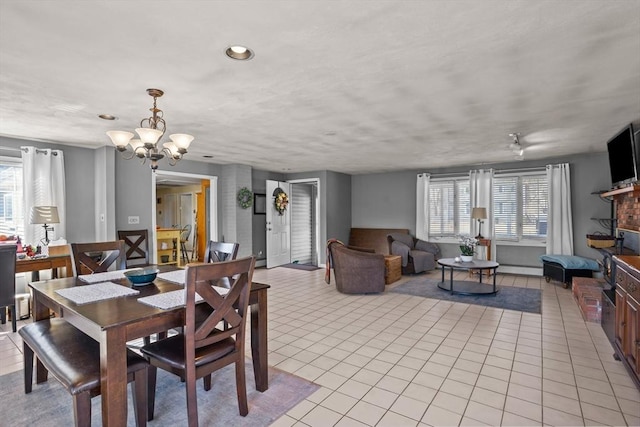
[(141, 276)]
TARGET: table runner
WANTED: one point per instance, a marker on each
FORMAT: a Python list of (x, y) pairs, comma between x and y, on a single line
[(173, 299), (98, 292)]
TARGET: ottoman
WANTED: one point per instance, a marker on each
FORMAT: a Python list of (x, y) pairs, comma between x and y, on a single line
[(563, 268)]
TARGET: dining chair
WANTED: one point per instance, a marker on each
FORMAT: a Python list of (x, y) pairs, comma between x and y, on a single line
[(204, 347), (73, 358), (220, 251), (97, 257), (184, 239), (8, 283), (136, 243)]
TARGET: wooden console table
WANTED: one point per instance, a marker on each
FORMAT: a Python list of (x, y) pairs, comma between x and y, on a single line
[(52, 262)]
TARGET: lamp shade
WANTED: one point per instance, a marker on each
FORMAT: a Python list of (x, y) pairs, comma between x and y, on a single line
[(479, 213), (44, 215)]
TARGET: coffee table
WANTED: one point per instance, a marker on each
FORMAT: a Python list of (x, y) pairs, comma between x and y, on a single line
[(465, 287)]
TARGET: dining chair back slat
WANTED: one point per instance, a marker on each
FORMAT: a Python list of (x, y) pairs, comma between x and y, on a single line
[(220, 251), (136, 244), (98, 257), (8, 283)]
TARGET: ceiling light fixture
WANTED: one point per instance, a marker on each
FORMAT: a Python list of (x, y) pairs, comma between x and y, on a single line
[(238, 52), (147, 146), (516, 147)]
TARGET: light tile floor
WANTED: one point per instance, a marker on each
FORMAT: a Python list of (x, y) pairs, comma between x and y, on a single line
[(400, 360)]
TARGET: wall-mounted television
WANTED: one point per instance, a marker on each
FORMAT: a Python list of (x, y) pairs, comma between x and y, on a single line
[(624, 157)]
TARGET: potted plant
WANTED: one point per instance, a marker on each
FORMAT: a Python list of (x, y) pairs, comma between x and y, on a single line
[(467, 248)]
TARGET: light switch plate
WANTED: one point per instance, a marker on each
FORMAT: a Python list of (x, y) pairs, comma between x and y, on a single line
[(134, 220)]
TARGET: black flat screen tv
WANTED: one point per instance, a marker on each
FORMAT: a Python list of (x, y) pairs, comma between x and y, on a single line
[(624, 157)]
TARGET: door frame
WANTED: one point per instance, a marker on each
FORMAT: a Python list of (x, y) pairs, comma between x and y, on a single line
[(315, 181), (213, 204)]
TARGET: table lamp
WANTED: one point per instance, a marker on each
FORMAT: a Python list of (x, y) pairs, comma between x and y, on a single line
[(44, 215), (479, 214)]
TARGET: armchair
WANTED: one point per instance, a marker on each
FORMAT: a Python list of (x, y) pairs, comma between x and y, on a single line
[(356, 270), (417, 255)]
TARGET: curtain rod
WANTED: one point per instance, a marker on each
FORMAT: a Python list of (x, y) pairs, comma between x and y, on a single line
[(532, 169), (10, 149), (54, 152)]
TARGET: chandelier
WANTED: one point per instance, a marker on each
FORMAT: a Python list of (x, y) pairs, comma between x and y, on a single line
[(150, 131)]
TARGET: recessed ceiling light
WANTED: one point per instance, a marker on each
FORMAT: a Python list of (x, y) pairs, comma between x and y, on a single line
[(240, 53), (107, 117), (208, 156)]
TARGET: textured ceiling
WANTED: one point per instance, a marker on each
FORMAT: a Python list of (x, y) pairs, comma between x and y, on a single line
[(350, 86)]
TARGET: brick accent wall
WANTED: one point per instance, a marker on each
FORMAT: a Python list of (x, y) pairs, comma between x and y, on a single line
[(628, 211)]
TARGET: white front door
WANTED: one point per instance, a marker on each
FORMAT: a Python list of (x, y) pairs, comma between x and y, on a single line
[(278, 227)]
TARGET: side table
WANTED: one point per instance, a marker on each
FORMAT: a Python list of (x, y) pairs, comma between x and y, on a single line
[(486, 243), (392, 268)]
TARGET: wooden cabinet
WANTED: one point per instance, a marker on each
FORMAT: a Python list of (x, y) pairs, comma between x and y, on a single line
[(167, 247), (627, 329)]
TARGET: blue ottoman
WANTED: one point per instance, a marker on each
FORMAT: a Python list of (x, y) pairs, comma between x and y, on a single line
[(563, 268)]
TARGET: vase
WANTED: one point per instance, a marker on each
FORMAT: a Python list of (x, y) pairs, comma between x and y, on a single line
[(466, 258)]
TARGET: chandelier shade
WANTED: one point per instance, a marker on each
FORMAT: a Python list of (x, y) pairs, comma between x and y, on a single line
[(150, 132)]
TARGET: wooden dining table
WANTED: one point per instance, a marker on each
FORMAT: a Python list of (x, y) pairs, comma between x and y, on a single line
[(114, 322)]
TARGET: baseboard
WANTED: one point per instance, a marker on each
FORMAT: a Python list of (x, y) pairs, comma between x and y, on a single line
[(515, 269), (261, 263)]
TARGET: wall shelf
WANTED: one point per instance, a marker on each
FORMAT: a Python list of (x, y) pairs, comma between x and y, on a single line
[(618, 191)]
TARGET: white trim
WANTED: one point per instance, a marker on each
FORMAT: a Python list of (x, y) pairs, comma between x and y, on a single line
[(514, 269), (213, 204), (316, 181)]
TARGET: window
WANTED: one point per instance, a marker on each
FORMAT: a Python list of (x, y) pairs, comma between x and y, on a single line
[(520, 206), (449, 207), (11, 206)]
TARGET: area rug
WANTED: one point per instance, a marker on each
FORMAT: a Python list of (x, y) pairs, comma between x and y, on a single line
[(509, 298), (50, 405), (306, 267)]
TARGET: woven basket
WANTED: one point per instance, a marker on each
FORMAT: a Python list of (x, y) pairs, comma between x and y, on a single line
[(600, 241)]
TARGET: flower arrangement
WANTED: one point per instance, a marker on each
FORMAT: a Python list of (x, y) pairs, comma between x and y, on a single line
[(281, 202), (468, 245)]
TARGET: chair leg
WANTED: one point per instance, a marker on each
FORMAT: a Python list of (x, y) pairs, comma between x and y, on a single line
[(28, 367), (207, 382), (152, 373), (140, 396), (82, 409), (12, 308), (241, 387), (192, 404), (3, 315)]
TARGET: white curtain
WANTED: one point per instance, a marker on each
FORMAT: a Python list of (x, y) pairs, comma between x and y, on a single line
[(43, 172), (422, 210), (559, 223), (481, 196)]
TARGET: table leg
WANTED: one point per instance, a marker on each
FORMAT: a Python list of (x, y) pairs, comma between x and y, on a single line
[(113, 373), (450, 279), (40, 312), (259, 342), (443, 274), (494, 280)]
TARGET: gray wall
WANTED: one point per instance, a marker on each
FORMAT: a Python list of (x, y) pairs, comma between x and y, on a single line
[(79, 185), (388, 200)]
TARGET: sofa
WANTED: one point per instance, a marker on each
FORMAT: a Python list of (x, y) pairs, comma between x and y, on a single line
[(417, 255), (356, 270)]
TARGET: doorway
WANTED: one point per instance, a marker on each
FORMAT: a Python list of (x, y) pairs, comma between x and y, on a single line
[(293, 235), (182, 199)]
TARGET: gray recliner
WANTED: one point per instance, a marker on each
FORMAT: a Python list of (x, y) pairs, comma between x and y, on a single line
[(417, 255)]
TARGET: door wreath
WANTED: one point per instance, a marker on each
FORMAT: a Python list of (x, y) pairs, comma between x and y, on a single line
[(245, 198), (281, 200)]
